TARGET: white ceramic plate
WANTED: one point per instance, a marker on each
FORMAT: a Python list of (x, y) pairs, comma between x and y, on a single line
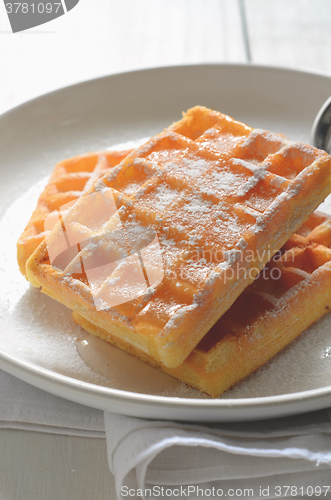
[(37, 336)]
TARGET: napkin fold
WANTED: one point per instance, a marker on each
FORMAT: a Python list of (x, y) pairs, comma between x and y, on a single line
[(280, 458)]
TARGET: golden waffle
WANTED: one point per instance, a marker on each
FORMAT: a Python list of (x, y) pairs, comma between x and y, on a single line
[(162, 246), (290, 294), (69, 180)]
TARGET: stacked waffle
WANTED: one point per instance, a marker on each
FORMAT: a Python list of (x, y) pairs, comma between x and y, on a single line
[(162, 256), (69, 180)]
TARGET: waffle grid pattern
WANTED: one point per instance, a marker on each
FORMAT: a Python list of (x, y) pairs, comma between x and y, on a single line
[(264, 319), (70, 179), (269, 314), (299, 259), (170, 185)]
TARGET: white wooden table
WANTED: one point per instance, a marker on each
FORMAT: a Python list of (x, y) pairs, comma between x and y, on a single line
[(99, 37)]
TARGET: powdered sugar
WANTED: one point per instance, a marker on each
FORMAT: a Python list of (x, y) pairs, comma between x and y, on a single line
[(224, 181), (195, 168), (278, 181), (178, 317), (46, 336), (242, 244), (259, 174), (161, 197)]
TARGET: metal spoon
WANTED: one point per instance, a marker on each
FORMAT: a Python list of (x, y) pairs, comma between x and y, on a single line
[(321, 130)]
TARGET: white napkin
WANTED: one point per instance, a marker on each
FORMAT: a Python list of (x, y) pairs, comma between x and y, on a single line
[(254, 459), (289, 457)]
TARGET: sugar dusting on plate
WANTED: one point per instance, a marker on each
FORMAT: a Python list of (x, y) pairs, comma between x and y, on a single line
[(40, 330)]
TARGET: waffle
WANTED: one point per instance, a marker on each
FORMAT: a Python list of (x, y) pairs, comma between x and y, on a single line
[(161, 247), (290, 294), (69, 180)]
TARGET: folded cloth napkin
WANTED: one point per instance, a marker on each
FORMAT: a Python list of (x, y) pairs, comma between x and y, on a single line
[(281, 458)]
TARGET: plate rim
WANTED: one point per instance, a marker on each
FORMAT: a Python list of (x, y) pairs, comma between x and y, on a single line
[(238, 65), (31, 368), (26, 368)]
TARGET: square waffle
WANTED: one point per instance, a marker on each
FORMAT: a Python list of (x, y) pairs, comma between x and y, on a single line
[(291, 293), (161, 247), (69, 180)]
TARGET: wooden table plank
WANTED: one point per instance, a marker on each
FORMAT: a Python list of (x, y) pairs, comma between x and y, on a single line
[(40, 466), (98, 38), (88, 42), (294, 34), (121, 35)]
